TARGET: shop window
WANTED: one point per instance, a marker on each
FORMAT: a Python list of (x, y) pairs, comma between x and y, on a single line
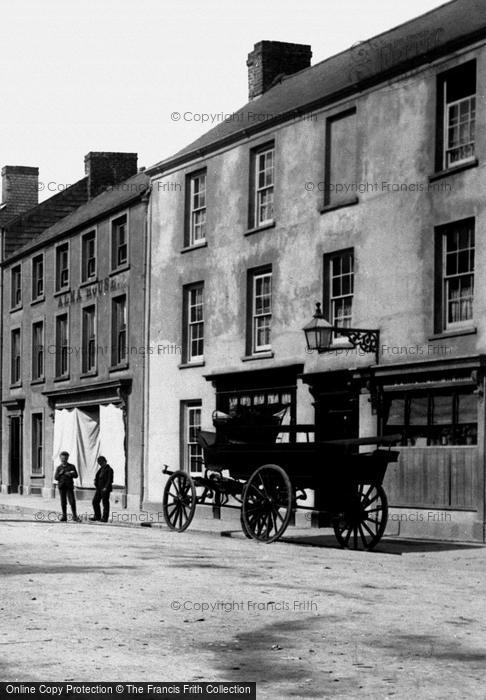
[(427, 419)]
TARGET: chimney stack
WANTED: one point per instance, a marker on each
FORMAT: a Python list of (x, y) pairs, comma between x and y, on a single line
[(105, 169), (20, 188), (270, 59)]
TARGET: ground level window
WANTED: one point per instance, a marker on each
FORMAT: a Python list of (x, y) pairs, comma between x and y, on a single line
[(424, 419), (191, 425)]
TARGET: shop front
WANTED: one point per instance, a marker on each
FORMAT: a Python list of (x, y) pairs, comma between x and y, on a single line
[(90, 421)]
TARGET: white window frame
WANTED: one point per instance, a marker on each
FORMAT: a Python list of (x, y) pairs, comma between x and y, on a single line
[(59, 347), (339, 299), (267, 187), (257, 316), (16, 381), (466, 323), (198, 211), (40, 471), (35, 295), (41, 375), (116, 331), (94, 369), (192, 450), (59, 286), (193, 326), (448, 106), (14, 304), (89, 278), (114, 264)]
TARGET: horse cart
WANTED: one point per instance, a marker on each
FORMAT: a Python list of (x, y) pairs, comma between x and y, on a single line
[(253, 462)]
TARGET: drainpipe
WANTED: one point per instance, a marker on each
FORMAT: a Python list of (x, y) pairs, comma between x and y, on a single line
[(146, 355)]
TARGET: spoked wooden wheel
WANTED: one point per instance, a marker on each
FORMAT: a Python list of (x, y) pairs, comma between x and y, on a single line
[(179, 502), (362, 525), (267, 503)]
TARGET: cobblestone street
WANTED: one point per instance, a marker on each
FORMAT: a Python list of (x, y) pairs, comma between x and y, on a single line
[(91, 602)]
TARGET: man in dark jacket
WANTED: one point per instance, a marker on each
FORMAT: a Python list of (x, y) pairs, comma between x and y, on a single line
[(103, 484), (65, 475)]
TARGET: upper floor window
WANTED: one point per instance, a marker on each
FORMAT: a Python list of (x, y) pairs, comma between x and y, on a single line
[(119, 242), (16, 289), (38, 277), (62, 267), (88, 354), (88, 257), (260, 301), (456, 117), (16, 357), (194, 322), (119, 330), (38, 350), (197, 209), (458, 274), (339, 287), (62, 348), (340, 161), (263, 184)]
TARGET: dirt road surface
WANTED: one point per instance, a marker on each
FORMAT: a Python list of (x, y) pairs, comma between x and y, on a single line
[(105, 603)]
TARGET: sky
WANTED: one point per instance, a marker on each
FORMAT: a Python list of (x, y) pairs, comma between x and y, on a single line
[(106, 75)]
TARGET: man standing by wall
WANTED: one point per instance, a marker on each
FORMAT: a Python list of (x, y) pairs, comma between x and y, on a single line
[(103, 483), (65, 475)]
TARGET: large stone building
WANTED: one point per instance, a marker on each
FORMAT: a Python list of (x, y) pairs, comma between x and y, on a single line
[(359, 183), (73, 328)]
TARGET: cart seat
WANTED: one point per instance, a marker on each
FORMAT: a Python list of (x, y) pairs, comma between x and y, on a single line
[(206, 438)]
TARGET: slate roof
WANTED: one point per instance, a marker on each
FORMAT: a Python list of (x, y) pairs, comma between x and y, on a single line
[(370, 62), (113, 198), (23, 227)]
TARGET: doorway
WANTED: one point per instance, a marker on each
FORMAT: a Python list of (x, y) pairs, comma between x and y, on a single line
[(15, 460)]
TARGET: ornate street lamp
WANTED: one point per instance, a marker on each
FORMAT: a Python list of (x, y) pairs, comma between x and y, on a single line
[(319, 334)]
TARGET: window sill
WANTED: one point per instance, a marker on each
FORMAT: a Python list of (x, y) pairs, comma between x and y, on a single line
[(339, 205), (16, 308), (186, 365), (263, 227), (17, 385), (187, 248), (87, 375), (454, 333), (118, 368), (60, 292), (473, 163), (64, 378), (87, 283), (267, 355), (38, 300), (41, 380), (37, 476), (118, 270)]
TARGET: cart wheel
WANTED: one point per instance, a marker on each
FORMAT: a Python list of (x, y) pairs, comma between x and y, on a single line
[(243, 526), (179, 502), (363, 525), (267, 503)]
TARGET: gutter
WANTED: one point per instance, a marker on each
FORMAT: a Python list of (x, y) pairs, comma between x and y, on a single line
[(326, 100)]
